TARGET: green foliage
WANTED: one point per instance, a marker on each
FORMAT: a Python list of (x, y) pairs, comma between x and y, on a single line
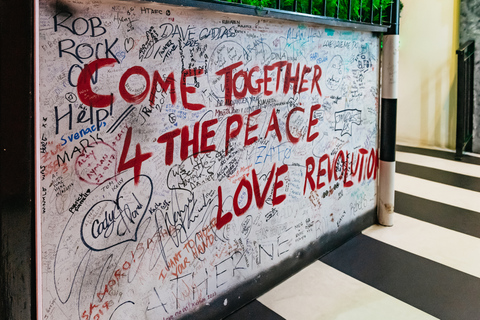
[(360, 9)]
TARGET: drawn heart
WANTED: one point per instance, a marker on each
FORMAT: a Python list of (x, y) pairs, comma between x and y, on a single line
[(129, 43), (109, 223)]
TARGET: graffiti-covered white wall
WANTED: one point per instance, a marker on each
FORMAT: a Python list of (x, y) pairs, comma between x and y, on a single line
[(184, 151)]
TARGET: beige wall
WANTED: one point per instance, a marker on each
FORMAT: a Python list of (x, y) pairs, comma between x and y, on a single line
[(427, 75)]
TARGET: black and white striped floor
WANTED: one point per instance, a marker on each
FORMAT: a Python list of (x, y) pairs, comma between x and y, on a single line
[(427, 266)]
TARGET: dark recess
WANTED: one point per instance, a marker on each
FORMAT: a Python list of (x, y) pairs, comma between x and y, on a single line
[(17, 257)]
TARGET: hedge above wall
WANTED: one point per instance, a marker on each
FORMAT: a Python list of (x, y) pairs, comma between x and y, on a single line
[(361, 10)]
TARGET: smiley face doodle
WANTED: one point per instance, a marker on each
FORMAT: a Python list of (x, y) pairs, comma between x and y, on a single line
[(335, 72)]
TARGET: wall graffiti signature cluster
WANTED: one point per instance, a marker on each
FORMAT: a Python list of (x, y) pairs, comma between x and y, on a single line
[(183, 152)]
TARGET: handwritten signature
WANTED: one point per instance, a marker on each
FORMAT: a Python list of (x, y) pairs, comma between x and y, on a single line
[(111, 222)]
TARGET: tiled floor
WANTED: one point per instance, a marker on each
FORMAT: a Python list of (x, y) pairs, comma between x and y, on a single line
[(427, 266)]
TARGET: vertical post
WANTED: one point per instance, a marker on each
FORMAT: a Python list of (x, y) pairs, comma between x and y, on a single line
[(466, 66), (471, 102), (388, 121), (360, 13), (349, 16), (390, 14), (380, 18), (461, 102), (371, 11)]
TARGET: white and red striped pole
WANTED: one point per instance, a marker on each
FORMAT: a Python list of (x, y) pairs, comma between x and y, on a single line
[(388, 120)]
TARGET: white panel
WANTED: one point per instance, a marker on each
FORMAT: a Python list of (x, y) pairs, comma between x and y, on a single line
[(390, 66), (386, 189), (440, 164), (454, 196), (322, 292), (451, 248), (134, 218)]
